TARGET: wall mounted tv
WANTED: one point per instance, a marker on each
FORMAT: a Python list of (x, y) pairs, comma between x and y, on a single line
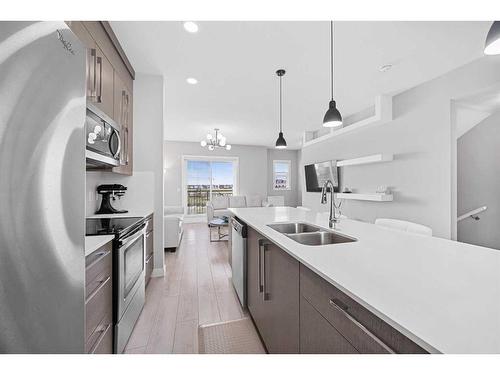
[(317, 174)]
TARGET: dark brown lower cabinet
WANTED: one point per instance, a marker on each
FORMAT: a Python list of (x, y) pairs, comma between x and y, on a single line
[(105, 342), (149, 269), (99, 301), (273, 294), (318, 336), (367, 333), (297, 311), (254, 298)]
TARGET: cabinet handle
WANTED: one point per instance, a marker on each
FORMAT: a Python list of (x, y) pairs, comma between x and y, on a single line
[(99, 287), (99, 95), (101, 255), (92, 77), (122, 129), (126, 121), (342, 308), (259, 265), (265, 295), (122, 108), (101, 332)]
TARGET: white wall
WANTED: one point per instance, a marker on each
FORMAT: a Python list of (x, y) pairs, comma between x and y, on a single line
[(291, 196), (145, 186), (148, 148), (478, 177), (252, 168), (138, 199), (420, 136)]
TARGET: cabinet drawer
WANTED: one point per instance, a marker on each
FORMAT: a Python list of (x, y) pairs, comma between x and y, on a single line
[(98, 268), (98, 311), (318, 336), (149, 268), (365, 331), (104, 343)]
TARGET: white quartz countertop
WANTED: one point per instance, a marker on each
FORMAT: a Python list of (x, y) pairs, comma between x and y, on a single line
[(137, 213), (444, 295), (92, 243)]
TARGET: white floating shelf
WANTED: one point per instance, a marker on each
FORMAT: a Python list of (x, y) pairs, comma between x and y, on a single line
[(378, 158), (376, 197), (382, 114)]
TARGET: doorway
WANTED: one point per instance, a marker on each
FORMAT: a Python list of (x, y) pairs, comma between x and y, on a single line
[(476, 182), (205, 177)]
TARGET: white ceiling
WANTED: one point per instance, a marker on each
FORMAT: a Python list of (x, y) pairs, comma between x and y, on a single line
[(235, 64)]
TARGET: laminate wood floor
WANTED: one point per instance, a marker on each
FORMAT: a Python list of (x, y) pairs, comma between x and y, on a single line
[(196, 290)]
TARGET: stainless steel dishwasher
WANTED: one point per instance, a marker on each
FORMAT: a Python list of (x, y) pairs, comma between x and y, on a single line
[(239, 259)]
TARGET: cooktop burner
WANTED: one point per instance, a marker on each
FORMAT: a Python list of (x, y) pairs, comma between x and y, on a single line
[(117, 226)]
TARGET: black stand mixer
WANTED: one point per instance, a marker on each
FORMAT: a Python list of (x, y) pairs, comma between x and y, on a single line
[(110, 192)]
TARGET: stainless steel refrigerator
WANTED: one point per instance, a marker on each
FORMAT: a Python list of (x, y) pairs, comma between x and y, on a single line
[(42, 188)]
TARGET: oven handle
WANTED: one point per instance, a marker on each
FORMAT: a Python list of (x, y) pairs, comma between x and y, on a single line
[(139, 232)]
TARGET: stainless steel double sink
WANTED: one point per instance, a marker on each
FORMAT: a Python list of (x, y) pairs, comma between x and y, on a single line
[(308, 234)]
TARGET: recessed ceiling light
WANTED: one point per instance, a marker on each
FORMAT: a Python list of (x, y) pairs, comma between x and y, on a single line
[(192, 81), (385, 68), (190, 27)]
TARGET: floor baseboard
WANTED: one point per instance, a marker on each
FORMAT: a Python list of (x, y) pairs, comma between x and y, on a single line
[(158, 272)]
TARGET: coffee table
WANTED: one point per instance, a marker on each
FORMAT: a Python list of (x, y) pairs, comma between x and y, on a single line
[(218, 222)]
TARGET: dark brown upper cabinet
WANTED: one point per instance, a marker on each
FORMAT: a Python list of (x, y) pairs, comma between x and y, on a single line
[(109, 81)]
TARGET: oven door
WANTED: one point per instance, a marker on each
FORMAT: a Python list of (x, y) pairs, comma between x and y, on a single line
[(130, 267)]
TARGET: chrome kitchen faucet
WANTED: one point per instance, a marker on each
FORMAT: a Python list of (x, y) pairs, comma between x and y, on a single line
[(332, 219)]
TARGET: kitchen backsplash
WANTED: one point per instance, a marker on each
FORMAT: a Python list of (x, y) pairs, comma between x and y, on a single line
[(139, 196)]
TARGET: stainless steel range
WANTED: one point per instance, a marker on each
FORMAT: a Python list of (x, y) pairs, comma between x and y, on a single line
[(128, 271)]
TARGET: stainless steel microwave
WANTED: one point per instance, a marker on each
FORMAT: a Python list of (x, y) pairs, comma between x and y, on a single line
[(103, 142)]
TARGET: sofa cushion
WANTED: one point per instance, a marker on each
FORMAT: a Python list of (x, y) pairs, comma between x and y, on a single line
[(219, 202), (254, 201), (237, 201)]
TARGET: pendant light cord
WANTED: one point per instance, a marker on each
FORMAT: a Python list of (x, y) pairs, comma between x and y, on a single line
[(281, 104), (331, 55)]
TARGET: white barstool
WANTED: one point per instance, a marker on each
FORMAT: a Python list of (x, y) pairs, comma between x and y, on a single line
[(276, 200), (405, 226)]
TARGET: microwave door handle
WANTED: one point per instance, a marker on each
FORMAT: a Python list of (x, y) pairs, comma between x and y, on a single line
[(119, 148)]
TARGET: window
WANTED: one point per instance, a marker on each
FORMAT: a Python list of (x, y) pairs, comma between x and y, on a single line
[(205, 178), (282, 174)]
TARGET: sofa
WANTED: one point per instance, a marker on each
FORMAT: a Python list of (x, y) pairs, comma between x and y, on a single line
[(219, 205), (173, 218)]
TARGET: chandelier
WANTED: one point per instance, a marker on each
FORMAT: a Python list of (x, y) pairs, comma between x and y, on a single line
[(215, 141)]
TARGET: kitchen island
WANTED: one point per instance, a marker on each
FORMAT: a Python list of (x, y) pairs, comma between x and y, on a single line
[(440, 294)]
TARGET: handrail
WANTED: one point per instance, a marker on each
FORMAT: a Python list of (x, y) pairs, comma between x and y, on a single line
[(472, 214)]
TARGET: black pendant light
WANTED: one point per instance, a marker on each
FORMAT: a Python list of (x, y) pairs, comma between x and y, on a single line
[(492, 44), (280, 142), (333, 118)]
